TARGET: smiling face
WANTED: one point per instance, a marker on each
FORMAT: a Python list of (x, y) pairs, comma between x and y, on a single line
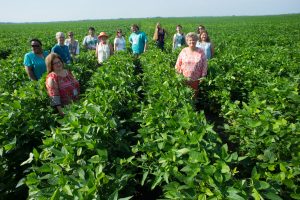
[(60, 40), (191, 42), (57, 65), (134, 29), (36, 47), (203, 36)]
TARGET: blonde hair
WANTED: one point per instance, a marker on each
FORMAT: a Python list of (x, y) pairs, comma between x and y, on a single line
[(155, 35), (49, 61)]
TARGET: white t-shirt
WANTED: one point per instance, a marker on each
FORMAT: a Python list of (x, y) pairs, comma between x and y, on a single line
[(120, 44), (103, 52)]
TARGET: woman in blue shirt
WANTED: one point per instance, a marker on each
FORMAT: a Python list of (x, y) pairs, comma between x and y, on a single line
[(34, 61), (61, 49)]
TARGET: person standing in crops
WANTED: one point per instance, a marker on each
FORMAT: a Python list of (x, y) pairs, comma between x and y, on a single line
[(205, 44), (103, 48), (138, 40), (73, 45), (90, 41), (61, 85), (34, 61), (191, 62), (200, 29), (119, 41), (61, 49), (178, 38), (159, 36)]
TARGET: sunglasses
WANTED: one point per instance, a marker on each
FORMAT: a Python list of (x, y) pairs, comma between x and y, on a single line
[(71, 35), (35, 45)]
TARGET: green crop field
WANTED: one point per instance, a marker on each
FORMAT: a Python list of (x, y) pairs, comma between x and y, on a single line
[(137, 133)]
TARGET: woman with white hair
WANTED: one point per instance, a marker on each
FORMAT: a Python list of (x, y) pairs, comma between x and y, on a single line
[(192, 62), (61, 49)]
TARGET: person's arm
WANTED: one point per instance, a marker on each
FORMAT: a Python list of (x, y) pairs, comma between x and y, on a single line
[(146, 41), (212, 49), (111, 49), (68, 58), (53, 92), (204, 66), (30, 73), (179, 63), (84, 44), (174, 41), (145, 47), (115, 44), (96, 51), (130, 39), (77, 49)]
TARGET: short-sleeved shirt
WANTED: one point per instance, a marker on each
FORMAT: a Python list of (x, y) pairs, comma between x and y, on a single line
[(90, 41), (73, 47), (206, 47), (192, 64), (120, 43), (64, 90), (37, 63), (63, 52), (138, 41), (179, 40)]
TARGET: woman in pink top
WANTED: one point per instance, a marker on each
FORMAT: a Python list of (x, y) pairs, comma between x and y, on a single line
[(192, 63), (61, 85)]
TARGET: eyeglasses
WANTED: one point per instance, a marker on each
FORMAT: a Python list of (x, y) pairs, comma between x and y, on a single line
[(35, 45), (56, 63)]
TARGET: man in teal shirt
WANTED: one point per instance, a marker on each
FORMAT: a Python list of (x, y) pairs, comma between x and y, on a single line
[(138, 40), (34, 61)]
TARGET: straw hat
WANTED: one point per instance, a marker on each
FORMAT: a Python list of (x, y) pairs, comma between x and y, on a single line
[(102, 34)]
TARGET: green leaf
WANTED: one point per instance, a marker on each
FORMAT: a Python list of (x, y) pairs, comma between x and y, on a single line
[(35, 154), (261, 185), (182, 151), (156, 182), (144, 177), (235, 196), (254, 174), (11, 144), (67, 190), (81, 173), (202, 197), (255, 194), (225, 168), (55, 195), (95, 159), (198, 157), (272, 196)]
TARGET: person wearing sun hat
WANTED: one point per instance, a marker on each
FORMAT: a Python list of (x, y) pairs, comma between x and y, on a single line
[(103, 48)]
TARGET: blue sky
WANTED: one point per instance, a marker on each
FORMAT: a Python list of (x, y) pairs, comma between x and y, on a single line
[(66, 10)]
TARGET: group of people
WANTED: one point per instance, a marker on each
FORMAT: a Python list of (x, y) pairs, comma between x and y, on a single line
[(63, 88)]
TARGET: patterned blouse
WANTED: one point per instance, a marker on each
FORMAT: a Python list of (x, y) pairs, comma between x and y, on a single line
[(192, 65), (64, 90)]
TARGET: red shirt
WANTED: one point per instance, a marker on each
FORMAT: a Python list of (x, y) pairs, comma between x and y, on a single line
[(192, 64), (64, 90)]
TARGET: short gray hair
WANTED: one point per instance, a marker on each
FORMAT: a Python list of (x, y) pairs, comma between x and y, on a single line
[(59, 34), (192, 35)]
